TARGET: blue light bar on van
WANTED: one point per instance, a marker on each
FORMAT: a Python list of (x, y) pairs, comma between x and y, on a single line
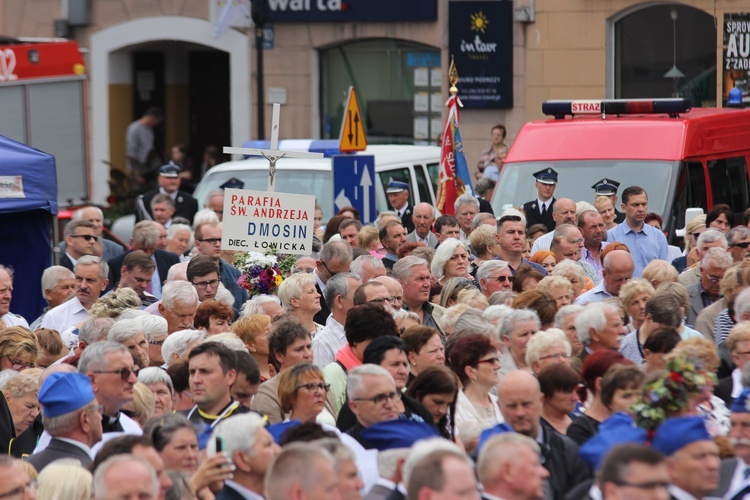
[(671, 107), (328, 147)]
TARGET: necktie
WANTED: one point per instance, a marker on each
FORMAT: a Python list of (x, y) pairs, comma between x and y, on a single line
[(544, 210)]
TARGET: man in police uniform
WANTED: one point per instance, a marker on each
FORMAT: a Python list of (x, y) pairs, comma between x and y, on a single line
[(608, 188), (169, 184), (398, 197), (539, 211)]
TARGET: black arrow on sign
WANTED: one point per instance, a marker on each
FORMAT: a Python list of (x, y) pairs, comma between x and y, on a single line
[(350, 126), (356, 129)]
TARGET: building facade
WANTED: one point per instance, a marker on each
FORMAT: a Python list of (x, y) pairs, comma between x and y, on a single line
[(141, 53)]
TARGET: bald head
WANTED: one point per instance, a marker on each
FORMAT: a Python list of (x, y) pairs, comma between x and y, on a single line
[(520, 401), (618, 269), (564, 211), (423, 218), (394, 288)]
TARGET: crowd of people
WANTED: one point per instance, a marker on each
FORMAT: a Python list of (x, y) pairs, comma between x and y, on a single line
[(547, 352)]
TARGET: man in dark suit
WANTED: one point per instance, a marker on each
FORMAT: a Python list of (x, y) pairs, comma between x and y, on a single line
[(169, 184), (145, 237), (250, 449), (509, 467), (80, 240), (71, 416), (424, 217), (608, 187), (399, 198), (539, 211), (208, 243)]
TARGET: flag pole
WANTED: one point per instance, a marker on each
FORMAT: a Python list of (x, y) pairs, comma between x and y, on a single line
[(453, 78)]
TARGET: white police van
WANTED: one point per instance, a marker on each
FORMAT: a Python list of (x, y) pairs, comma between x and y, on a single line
[(418, 165)]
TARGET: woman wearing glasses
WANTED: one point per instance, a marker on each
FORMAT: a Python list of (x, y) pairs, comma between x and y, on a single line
[(18, 349), (476, 362), (302, 393), (300, 299)]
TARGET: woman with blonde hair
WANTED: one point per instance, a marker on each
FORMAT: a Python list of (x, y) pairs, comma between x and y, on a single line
[(21, 393), (659, 271), (142, 407), (605, 208), (18, 349), (574, 274), (65, 479), (559, 287), (300, 298), (633, 295), (302, 394), (113, 304), (254, 331), (484, 245)]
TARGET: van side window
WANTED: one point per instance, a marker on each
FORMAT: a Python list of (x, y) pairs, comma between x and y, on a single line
[(433, 170), (729, 182), (691, 192), (424, 189)]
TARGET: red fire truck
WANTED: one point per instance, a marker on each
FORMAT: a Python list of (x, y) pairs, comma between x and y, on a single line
[(682, 157), (43, 104)]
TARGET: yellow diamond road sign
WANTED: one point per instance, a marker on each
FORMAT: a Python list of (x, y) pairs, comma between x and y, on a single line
[(352, 137)]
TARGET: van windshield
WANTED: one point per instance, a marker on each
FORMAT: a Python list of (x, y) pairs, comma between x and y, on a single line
[(575, 178), (315, 182)]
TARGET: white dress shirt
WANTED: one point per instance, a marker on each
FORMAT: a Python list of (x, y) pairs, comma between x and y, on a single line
[(65, 315)]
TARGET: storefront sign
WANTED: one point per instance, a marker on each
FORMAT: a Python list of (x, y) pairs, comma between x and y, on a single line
[(284, 11), (736, 64), (481, 41)]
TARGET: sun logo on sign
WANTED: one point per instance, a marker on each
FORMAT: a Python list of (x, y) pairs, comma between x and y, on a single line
[(479, 22)]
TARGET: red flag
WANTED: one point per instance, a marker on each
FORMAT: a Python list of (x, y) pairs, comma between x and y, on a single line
[(451, 187)]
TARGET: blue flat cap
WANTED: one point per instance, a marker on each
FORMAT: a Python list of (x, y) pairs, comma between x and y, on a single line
[(617, 429), (676, 433), (233, 183), (278, 430), (398, 433), (546, 176), (488, 433), (396, 187), (606, 187), (169, 170), (64, 393), (741, 403)]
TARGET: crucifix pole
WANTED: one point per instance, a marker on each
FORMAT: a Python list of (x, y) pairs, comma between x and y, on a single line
[(274, 153)]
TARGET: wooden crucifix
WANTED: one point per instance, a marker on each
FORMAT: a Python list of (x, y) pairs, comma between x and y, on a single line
[(273, 154)]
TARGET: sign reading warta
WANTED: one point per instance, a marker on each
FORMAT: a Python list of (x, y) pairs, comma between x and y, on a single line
[(256, 221)]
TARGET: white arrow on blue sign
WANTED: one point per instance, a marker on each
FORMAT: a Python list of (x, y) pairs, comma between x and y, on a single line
[(354, 184)]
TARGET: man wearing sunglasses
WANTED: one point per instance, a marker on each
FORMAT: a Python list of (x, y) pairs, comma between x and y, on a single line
[(373, 398), (494, 276), (739, 242), (80, 240)]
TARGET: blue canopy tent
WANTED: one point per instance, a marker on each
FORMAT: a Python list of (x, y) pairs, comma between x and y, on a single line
[(28, 206)]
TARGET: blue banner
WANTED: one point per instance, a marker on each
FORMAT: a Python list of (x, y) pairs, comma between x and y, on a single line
[(480, 38), (286, 11)]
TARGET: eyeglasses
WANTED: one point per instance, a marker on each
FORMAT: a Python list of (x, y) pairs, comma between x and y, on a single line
[(313, 386), (211, 241), (306, 270), (380, 301), (555, 356), (742, 244), (205, 284), (503, 279), (695, 235), (124, 372), (396, 298), (326, 266), (87, 237), (714, 279), (156, 342), (491, 361), (17, 492), (382, 398), (20, 365)]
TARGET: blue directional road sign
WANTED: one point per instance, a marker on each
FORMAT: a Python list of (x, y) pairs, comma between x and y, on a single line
[(354, 184)]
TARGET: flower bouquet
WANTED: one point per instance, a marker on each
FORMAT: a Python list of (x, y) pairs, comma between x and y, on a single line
[(260, 272)]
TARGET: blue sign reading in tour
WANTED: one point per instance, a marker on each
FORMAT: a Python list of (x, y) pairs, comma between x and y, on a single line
[(480, 38), (284, 11), (354, 184)]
